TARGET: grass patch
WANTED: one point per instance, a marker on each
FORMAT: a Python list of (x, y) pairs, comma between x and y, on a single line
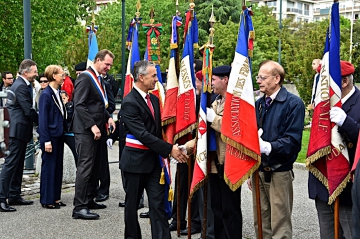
[(304, 146)]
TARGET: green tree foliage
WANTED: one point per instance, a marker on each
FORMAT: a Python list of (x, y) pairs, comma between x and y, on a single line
[(59, 36), (52, 22)]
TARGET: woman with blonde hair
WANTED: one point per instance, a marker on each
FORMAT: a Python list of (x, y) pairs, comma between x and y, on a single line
[(52, 122)]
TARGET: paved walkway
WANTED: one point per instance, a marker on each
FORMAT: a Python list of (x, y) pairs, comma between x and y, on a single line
[(35, 222)]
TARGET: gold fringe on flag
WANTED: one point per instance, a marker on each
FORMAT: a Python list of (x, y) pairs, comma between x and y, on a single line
[(185, 132), (320, 153), (240, 147), (235, 186), (168, 121), (338, 190), (321, 177)]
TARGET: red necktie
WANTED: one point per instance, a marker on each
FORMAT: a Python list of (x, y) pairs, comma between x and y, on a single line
[(150, 105)]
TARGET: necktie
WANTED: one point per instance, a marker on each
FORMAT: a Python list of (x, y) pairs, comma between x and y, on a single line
[(150, 105), (267, 102)]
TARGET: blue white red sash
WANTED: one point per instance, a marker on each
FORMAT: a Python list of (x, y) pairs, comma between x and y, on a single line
[(98, 87), (132, 142)]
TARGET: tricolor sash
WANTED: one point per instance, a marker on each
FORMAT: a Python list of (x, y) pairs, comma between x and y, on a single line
[(132, 142), (98, 87)]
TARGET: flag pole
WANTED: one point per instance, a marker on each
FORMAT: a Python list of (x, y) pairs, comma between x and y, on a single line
[(336, 204), (210, 155), (191, 5), (177, 67), (336, 218), (257, 183), (258, 208)]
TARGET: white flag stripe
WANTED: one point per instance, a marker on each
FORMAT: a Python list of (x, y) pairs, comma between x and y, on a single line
[(240, 79)]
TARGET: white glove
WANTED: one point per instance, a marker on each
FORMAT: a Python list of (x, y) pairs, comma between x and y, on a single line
[(265, 147), (260, 132), (337, 116), (183, 149), (173, 160), (109, 143), (210, 115)]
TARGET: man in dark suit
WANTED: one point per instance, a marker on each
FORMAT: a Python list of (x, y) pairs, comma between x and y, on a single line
[(140, 157), (348, 120), (22, 116), (89, 127), (104, 171)]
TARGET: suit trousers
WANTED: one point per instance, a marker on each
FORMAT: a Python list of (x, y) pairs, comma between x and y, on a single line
[(326, 220), (276, 198), (226, 206), (52, 172), (135, 183), (87, 174), (104, 171), (12, 171), (209, 213), (184, 192)]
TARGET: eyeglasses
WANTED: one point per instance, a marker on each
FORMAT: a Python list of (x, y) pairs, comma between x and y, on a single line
[(262, 78), (62, 75), (43, 81), (10, 78)]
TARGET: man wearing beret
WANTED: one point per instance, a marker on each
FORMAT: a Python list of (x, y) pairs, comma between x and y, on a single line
[(348, 120), (280, 119), (225, 204), (80, 67)]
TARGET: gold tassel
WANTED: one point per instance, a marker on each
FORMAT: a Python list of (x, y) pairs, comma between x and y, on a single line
[(171, 194), (162, 177)]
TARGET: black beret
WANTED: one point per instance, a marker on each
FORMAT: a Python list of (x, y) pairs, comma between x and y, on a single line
[(222, 71), (81, 66)]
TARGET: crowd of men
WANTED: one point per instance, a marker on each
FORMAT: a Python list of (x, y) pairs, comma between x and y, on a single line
[(280, 120)]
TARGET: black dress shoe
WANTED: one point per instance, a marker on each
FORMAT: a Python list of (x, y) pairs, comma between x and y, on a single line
[(4, 207), (94, 205), (173, 226), (19, 201), (101, 198), (141, 206), (51, 206), (60, 204), (85, 214), (144, 215), (193, 231), (121, 204)]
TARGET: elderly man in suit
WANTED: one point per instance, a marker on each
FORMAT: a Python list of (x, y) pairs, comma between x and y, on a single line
[(89, 127), (22, 115), (140, 157), (347, 118)]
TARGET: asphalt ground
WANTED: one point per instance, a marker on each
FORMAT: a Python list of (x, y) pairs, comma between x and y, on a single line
[(36, 222)]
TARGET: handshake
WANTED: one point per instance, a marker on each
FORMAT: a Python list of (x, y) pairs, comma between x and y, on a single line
[(178, 154)]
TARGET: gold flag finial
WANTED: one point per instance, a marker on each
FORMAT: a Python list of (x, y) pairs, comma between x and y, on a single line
[(212, 29), (152, 15), (137, 13)]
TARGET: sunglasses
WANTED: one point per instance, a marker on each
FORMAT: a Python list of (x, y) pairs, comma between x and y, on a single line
[(43, 81)]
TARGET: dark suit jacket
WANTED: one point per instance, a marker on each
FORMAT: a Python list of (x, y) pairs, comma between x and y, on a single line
[(139, 122), (88, 105), (51, 121), (21, 111), (350, 131)]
